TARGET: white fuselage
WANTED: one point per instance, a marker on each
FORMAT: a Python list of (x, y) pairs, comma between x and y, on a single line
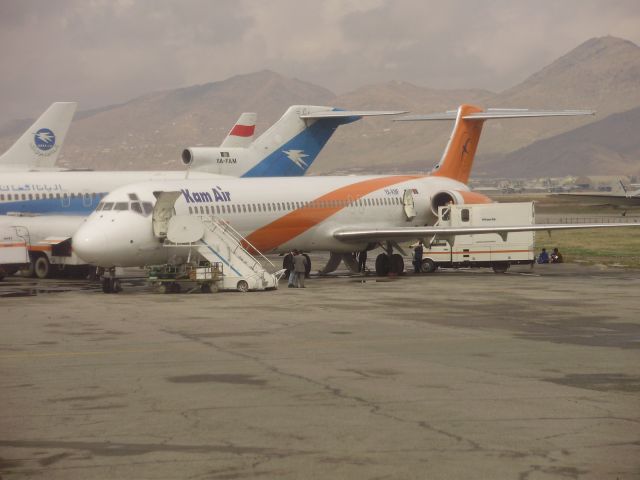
[(71, 192), (273, 214)]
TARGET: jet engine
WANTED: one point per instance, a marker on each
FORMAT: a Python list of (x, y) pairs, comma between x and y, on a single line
[(207, 158), (456, 197)]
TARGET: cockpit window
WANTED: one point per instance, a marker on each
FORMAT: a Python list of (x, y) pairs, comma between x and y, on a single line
[(99, 207), (148, 208), (134, 197), (107, 206), (121, 206), (136, 207)]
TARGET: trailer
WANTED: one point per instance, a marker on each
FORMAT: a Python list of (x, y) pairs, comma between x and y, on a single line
[(14, 253), (204, 277), (48, 242), (489, 250)]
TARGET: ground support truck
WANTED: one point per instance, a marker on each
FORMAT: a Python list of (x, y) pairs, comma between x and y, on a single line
[(493, 250)]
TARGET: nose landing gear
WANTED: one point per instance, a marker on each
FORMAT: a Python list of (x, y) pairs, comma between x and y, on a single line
[(110, 284)]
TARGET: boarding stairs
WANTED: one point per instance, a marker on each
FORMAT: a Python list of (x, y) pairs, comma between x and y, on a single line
[(218, 242)]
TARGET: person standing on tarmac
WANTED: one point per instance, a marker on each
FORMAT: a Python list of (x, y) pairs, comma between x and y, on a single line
[(300, 268), (417, 257), (287, 264), (362, 261)]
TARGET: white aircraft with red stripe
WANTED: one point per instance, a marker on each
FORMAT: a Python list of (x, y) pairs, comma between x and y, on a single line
[(339, 214)]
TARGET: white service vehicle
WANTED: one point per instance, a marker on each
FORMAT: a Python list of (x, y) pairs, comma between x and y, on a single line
[(13, 251), (496, 250), (48, 244)]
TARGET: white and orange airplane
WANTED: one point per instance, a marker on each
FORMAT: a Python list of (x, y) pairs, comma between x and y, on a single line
[(339, 214)]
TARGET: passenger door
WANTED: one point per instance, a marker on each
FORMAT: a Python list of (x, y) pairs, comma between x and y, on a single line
[(163, 210), (408, 205)]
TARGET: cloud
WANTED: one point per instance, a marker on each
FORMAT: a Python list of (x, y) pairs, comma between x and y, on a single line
[(100, 52)]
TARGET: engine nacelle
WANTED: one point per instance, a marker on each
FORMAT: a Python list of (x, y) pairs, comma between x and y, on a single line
[(208, 158), (445, 197), (456, 197)]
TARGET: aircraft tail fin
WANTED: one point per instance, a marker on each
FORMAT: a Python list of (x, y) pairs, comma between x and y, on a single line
[(291, 145), (40, 145), (458, 156), (241, 135)]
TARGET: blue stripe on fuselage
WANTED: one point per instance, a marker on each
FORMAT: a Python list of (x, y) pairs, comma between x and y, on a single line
[(58, 206), (311, 140)]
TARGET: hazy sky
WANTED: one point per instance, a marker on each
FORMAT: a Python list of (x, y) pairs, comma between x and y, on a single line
[(100, 52)]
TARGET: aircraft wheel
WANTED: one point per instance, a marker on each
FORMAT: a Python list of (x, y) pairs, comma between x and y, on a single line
[(242, 286), (163, 288), (429, 266), (176, 288), (382, 264), (116, 287), (397, 264), (205, 288), (500, 267), (106, 285)]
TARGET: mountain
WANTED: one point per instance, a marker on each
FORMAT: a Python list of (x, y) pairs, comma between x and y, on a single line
[(610, 146), (601, 74), (150, 131)]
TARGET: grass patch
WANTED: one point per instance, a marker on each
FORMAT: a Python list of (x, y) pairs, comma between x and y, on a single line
[(619, 246)]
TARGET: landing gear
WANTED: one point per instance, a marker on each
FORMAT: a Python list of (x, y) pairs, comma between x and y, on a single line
[(396, 264), (389, 262), (382, 265), (110, 284)]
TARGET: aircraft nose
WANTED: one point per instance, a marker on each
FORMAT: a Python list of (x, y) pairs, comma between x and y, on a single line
[(91, 246)]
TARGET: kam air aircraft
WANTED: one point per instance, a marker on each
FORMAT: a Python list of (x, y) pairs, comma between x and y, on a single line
[(287, 148), (339, 214), (38, 148), (51, 205)]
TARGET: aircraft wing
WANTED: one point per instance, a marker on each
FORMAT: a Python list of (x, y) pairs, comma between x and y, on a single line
[(351, 113), (413, 233), (605, 198)]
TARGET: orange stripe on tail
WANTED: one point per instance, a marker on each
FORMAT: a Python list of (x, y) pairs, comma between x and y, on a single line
[(457, 159)]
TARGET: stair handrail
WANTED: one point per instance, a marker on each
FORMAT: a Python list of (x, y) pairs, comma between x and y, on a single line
[(227, 226)]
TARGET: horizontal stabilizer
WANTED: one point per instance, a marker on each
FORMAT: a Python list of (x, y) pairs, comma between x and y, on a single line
[(351, 113), (496, 113), (413, 233)]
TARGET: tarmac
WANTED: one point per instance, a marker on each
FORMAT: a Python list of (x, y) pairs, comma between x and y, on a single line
[(533, 374)]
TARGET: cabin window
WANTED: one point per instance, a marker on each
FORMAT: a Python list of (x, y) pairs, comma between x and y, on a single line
[(136, 207), (201, 210), (107, 206), (218, 209), (244, 208), (233, 207), (464, 214), (121, 206), (190, 210), (1, 197), (9, 197)]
